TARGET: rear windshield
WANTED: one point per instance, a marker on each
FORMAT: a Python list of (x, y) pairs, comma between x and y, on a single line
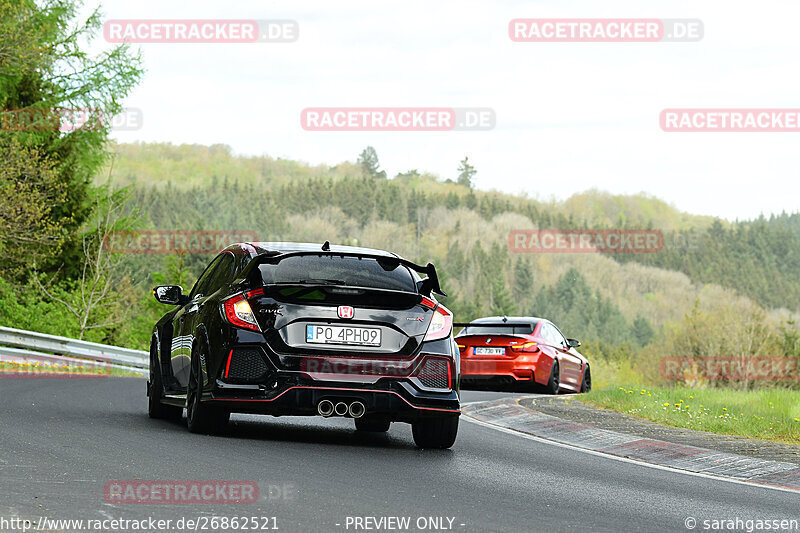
[(499, 329), (332, 270)]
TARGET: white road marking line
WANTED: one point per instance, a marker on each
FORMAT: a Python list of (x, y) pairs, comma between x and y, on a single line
[(468, 418)]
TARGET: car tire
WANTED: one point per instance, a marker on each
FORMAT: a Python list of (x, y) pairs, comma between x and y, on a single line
[(373, 424), (586, 382), (553, 383), (435, 432), (201, 417), (155, 389)]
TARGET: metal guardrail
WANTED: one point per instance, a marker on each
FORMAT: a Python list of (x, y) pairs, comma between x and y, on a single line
[(40, 346)]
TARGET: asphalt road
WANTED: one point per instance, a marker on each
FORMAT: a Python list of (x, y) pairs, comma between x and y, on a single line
[(61, 440)]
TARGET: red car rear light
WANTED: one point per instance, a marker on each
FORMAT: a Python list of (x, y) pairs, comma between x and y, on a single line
[(441, 324), (530, 347), (238, 312)]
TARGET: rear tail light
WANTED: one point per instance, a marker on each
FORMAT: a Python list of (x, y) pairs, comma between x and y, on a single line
[(441, 324), (530, 347), (238, 312), (427, 302)]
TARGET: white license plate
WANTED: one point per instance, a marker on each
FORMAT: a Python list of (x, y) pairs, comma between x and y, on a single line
[(348, 335), (482, 350)]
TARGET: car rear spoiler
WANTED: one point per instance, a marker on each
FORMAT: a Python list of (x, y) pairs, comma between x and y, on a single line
[(467, 324), (425, 287)]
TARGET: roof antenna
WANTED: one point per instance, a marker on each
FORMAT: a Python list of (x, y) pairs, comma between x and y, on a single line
[(505, 318), (326, 247)]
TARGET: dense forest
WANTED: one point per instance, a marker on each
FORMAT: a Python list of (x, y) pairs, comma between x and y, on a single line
[(758, 259)]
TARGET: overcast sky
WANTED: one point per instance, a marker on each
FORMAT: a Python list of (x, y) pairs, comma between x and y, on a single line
[(570, 116)]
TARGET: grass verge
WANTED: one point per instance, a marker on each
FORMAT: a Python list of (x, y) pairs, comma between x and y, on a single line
[(769, 414)]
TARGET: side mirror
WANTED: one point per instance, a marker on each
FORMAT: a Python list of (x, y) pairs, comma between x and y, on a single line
[(170, 294), (573, 343)]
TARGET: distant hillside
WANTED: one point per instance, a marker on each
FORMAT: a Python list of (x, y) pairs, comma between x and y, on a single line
[(198, 187), (185, 167)]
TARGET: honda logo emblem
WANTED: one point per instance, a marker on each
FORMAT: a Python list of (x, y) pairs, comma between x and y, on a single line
[(345, 311)]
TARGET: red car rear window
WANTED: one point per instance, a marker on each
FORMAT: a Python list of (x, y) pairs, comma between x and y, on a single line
[(499, 329)]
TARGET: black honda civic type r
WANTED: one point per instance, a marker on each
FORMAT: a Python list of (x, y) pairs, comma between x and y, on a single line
[(308, 329)]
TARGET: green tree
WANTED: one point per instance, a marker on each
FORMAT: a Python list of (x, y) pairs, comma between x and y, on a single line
[(453, 201), (472, 200), (411, 175), (19, 34), (29, 188), (502, 301), (523, 278), (493, 271), (44, 70), (455, 261), (790, 339), (643, 332), (466, 173), (369, 163), (580, 312), (95, 302)]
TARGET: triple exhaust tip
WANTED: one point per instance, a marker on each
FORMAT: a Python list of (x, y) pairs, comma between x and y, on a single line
[(356, 409), (327, 408)]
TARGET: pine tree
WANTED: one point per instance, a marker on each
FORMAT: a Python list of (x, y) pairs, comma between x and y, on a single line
[(369, 163), (523, 278), (466, 173), (502, 301), (642, 331)]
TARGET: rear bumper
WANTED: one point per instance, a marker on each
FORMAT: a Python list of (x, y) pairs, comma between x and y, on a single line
[(255, 380), (485, 369), (397, 400)]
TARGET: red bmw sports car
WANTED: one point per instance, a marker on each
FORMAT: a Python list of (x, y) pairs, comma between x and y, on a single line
[(521, 351)]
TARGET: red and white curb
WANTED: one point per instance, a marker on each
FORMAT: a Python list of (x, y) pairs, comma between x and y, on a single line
[(508, 414)]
